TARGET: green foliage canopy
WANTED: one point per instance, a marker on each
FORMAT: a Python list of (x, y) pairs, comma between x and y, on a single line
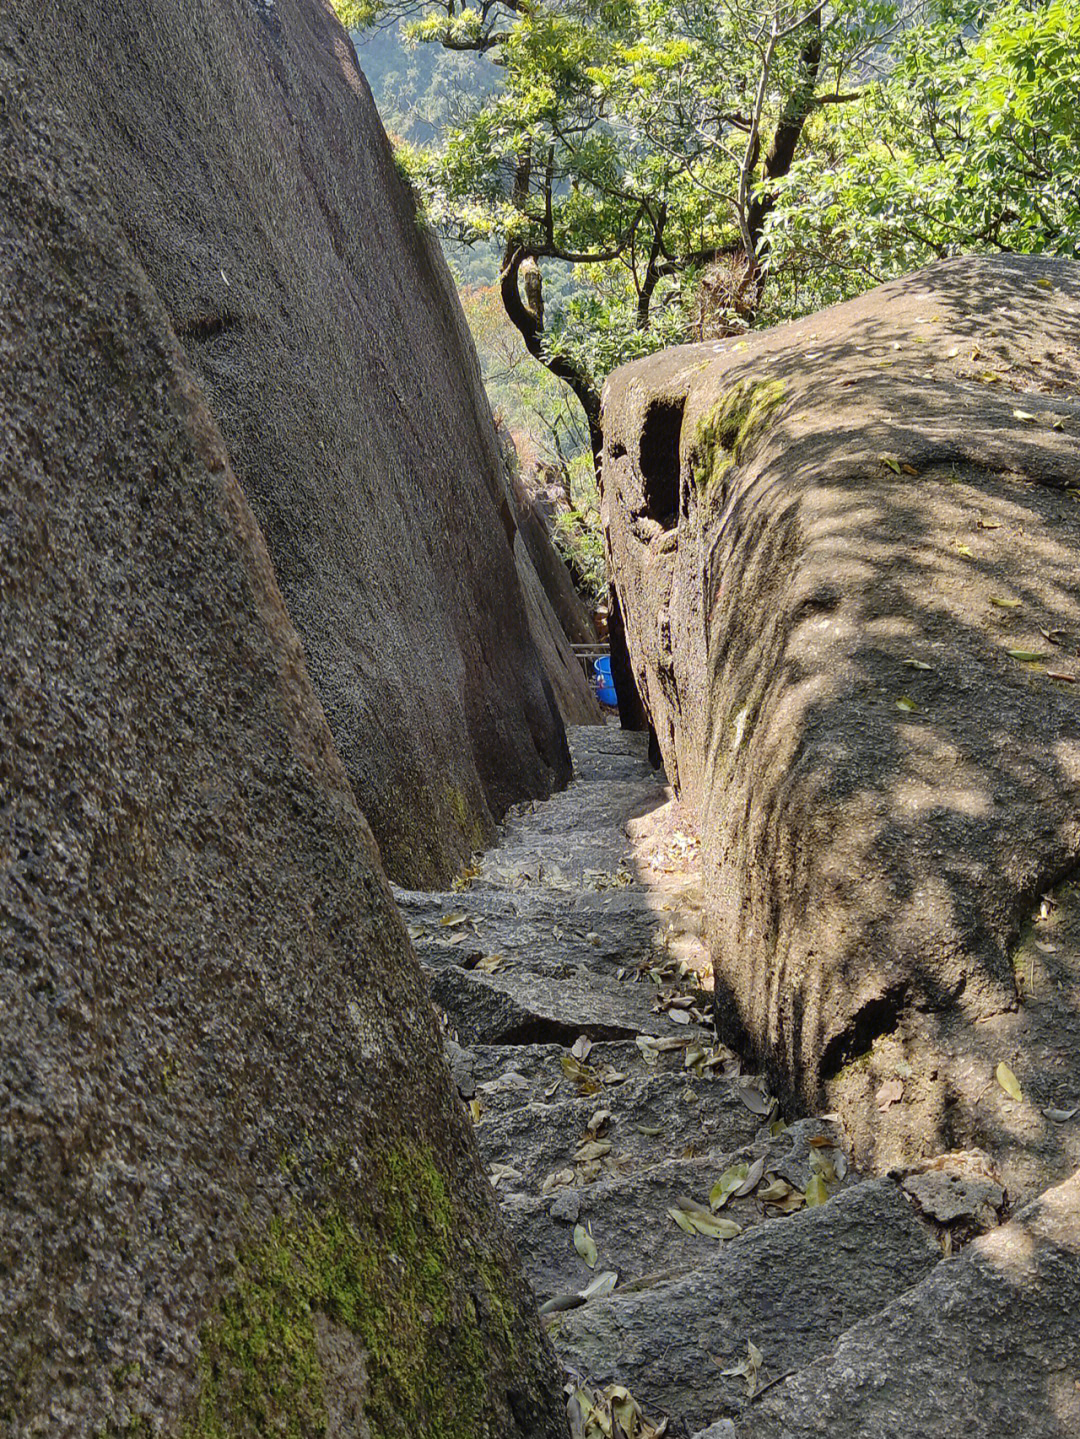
[(637, 141), (779, 156), (969, 142)]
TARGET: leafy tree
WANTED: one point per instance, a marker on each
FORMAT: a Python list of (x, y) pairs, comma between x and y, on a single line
[(969, 142), (637, 142), (536, 410)]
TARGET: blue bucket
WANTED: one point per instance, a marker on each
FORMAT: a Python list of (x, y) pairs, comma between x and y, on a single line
[(602, 665)]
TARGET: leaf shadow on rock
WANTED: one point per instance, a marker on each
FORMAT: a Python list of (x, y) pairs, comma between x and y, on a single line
[(870, 866)]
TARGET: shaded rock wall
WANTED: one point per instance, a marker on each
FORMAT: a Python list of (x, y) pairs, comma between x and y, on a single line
[(235, 1194), (574, 694), (246, 164), (554, 608), (565, 600), (835, 544)]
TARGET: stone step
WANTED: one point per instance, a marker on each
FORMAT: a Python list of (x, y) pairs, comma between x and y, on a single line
[(789, 1287), (524, 1006), (607, 1065), (627, 1214), (987, 1345), (589, 804), (650, 1117), (607, 740), (634, 941), (591, 768), (624, 924), (556, 941), (585, 858)]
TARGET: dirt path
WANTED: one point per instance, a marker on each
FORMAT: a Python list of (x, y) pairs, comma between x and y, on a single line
[(689, 1244)]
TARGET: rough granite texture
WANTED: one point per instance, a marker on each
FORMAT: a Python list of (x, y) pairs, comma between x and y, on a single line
[(246, 164), (988, 1345), (790, 1287), (236, 1195), (573, 693), (847, 551)]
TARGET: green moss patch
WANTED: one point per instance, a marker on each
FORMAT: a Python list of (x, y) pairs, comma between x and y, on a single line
[(726, 436), (394, 1277)]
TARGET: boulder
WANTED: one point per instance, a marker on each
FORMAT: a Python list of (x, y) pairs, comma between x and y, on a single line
[(236, 1194), (573, 693), (243, 157), (987, 1345), (846, 551)]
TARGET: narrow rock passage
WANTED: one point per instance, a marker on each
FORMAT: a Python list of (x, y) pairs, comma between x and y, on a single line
[(725, 1248)]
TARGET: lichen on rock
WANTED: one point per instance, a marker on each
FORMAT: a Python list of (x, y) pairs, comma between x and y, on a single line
[(727, 434)]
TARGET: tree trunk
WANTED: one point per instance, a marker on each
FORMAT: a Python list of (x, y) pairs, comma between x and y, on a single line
[(785, 142), (530, 326)]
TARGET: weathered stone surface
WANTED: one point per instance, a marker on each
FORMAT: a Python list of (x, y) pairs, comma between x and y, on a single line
[(628, 1213), (958, 1191), (526, 1005), (790, 1287), (553, 938), (245, 161), (235, 1193), (546, 942), (573, 694), (835, 543), (609, 753), (594, 859), (988, 1345), (650, 1116), (946, 1070)]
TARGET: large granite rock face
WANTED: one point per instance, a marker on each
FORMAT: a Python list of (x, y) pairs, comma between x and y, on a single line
[(236, 1196), (847, 553), (558, 584), (247, 166)]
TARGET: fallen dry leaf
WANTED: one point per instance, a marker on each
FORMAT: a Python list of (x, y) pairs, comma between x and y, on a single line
[(585, 1245), (1008, 1081), (592, 1149), (728, 1183), (755, 1101), (816, 1191), (747, 1369)]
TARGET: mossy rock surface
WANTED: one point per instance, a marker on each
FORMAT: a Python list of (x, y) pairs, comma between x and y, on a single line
[(423, 1318), (727, 434)]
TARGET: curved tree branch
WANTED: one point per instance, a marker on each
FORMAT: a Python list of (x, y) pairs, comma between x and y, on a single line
[(531, 329)]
